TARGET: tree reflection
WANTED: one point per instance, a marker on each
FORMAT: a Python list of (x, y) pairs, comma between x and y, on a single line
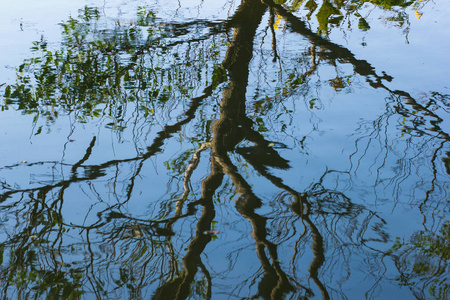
[(423, 263), (116, 254)]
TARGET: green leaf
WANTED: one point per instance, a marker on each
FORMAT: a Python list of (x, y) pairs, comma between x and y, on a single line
[(363, 25), (8, 91)]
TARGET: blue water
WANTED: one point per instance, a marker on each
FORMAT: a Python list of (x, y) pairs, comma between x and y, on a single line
[(109, 203)]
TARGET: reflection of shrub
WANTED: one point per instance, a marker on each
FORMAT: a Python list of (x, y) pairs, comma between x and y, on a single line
[(331, 13), (423, 263)]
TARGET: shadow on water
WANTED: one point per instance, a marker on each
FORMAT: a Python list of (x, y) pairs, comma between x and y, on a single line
[(311, 241)]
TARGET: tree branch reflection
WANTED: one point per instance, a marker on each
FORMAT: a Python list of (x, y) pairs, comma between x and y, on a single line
[(115, 252)]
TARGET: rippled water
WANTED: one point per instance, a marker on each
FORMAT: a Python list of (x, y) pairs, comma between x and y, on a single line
[(225, 150)]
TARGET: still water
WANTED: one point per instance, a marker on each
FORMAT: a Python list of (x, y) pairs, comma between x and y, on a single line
[(224, 149)]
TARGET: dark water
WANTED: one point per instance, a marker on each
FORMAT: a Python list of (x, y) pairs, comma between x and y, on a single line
[(226, 150)]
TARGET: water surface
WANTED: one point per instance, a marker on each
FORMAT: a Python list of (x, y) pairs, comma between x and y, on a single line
[(225, 150)]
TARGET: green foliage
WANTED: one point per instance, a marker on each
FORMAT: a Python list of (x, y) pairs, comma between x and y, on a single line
[(363, 25), (328, 14), (179, 164), (95, 72), (388, 4), (50, 283), (311, 5), (331, 13), (424, 262)]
